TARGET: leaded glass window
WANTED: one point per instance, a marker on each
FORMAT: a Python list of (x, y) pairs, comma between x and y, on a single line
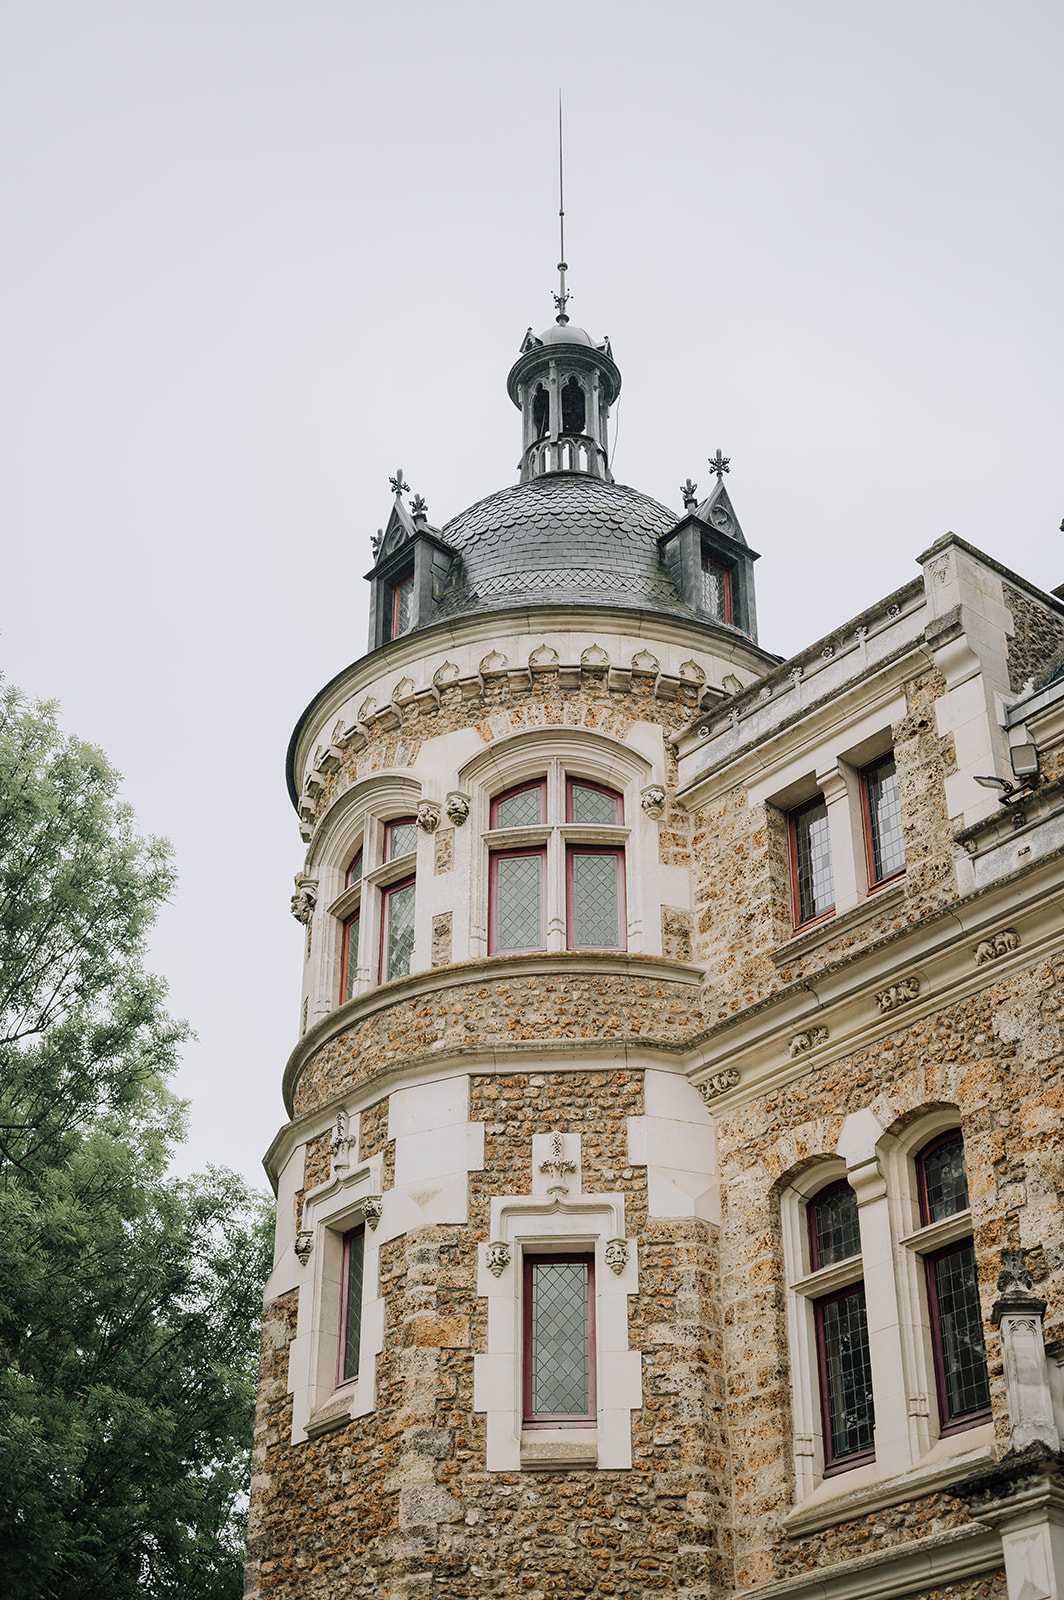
[(354, 871), (517, 901), (957, 1332), (400, 837), (351, 1304), (943, 1179), (349, 958), (845, 1378), (523, 808), (402, 607), (559, 1376), (716, 590), (590, 803), (595, 883), (883, 813), (834, 1229), (398, 940), (814, 884)]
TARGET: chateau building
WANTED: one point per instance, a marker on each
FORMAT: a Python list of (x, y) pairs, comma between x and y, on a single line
[(671, 1197)]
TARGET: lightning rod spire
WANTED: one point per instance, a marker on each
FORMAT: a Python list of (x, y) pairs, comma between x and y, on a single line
[(561, 299)]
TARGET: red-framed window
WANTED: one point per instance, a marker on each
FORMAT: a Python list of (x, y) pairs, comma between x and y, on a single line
[(834, 1227), (558, 1367), (812, 881), (400, 618), (524, 806), (351, 1304), (595, 914), (349, 958), (954, 1311), (400, 837), (397, 929), (354, 871), (716, 588), (844, 1372), (516, 901), (592, 803), (881, 805)]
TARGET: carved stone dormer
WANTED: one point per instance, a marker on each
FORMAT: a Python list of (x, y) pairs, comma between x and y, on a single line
[(711, 563), (411, 564)]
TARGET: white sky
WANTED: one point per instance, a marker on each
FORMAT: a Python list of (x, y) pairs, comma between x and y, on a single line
[(259, 254)]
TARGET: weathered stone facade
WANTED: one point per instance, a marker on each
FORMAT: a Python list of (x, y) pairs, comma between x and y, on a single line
[(669, 1108)]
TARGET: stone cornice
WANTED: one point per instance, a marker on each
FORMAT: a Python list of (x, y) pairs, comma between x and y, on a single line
[(846, 1505), (913, 1568), (492, 969)]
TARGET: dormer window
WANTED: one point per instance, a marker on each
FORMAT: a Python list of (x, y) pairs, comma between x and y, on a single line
[(716, 589), (574, 408), (401, 607)]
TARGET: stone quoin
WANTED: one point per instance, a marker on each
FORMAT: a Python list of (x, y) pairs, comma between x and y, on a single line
[(671, 1197)]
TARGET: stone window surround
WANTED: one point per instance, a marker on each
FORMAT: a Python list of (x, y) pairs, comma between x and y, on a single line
[(545, 1223), (838, 776), (881, 1168), (557, 753), (319, 1402)]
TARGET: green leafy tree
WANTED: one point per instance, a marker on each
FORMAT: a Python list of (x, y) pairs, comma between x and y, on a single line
[(129, 1302)]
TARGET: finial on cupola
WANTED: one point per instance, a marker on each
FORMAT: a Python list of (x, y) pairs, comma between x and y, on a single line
[(720, 465), (398, 484)]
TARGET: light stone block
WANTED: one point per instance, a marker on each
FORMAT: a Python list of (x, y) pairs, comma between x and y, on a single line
[(420, 1157), (670, 1094), (429, 1106), (424, 1204)]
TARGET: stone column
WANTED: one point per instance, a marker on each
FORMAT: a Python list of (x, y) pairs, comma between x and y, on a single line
[(1018, 1313), (849, 884)]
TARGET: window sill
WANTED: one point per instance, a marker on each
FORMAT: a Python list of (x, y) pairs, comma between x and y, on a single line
[(335, 1413), (559, 1450), (832, 924), (935, 1235), (849, 1495)]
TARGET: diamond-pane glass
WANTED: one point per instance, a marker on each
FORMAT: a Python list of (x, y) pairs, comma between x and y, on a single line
[(350, 956), (356, 1247), (843, 1329), (521, 810), (400, 932), (518, 891), (403, 603), (884, 819), (945, 1181), (560, 1352), (960, 1332), (354, 871), (402, 838), (836, 1231), (595, 902), (812, 848), (714, 590), (591, 805)]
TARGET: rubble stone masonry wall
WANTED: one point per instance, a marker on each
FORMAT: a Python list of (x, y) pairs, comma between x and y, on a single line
[(999, 1058)]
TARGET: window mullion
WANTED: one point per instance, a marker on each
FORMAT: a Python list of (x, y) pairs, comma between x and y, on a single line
[(555, 890), (894, 1448)]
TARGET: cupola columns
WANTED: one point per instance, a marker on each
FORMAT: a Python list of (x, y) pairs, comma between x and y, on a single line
[(564, 383)]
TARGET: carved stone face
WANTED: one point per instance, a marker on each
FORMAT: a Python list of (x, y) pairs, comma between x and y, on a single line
[(457, 809), (652, 800), (428, 816), (615, 1254)]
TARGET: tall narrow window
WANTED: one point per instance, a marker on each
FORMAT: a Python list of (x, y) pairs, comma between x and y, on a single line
[(812, 880), (402, 606), (559, 1340), (349, 959), (351, 1304), (540, 411), (523, 807), (594, 881), (845, 1373), (716, 589), (354, 872), (573, 407), (515, 913), (882, 813), (953, 1291), (397, 930), (400, 837)]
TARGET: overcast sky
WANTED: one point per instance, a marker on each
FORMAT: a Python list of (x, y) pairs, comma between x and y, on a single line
[(257, 255)]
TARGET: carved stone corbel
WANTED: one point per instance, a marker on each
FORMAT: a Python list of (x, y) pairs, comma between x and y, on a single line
[(304, 1244), (373, 1209), (1017, 1313), (498, 1257), (457, 808), (428, 816), (615, 1254), (305, 899), (652, 799)]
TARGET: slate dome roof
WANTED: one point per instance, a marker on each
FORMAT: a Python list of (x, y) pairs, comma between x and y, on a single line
[(566, 537), (566, 333)]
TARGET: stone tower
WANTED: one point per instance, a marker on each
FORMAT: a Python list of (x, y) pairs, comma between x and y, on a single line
[(679, 1052)]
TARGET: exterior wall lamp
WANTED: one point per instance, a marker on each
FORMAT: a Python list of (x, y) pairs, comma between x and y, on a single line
[(1025, 769)]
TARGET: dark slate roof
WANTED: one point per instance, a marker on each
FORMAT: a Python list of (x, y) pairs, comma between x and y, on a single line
[(565, 537)]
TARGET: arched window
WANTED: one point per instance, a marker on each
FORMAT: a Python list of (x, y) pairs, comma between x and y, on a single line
[(520, 883), (953, 1306), (844, 1367), (540, 411), (353, 874), (574, 406)]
